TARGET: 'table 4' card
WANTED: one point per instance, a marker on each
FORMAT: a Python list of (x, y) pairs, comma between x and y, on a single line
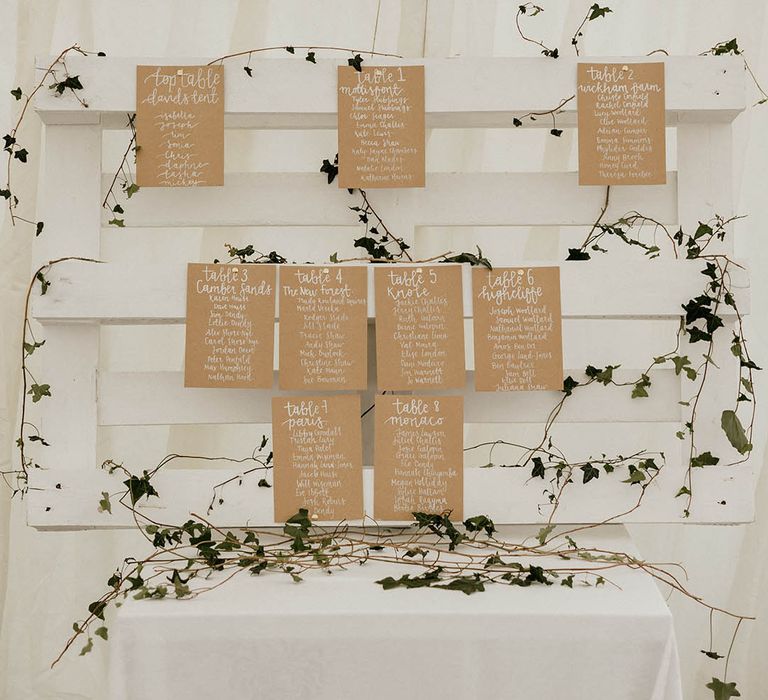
[(323, 327), (318, 457)]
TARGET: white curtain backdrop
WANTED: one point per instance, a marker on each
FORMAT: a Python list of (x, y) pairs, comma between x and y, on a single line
[(47, 578)]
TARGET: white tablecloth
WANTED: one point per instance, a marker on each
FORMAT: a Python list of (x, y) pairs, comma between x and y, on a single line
[(341, 636)]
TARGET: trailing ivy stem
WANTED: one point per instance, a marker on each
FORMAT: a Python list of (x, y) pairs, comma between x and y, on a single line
[(303, 48), (27, 101), (24, 369), (387, 232)]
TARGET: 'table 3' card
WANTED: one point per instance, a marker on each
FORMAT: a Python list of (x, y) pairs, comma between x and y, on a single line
[(230, 334)]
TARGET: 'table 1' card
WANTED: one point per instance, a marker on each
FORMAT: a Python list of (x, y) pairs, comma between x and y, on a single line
[(381, 126), (230, 334), (318, 457), (419, 456)]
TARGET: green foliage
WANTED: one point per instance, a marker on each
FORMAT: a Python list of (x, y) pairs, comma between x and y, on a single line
[(38, 391), (356, 62), (471, 258), (705, 459), (734, 431), (730, 47), (480, 522), (441, 526), (71, 82), (16, 92), (105, 506), (723, 691), (596, 11), (140, 487), (330, 169)]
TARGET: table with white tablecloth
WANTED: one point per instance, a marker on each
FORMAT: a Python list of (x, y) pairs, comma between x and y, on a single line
[(342, 636)]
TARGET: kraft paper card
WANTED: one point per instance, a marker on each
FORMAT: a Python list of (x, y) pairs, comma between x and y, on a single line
[(323, 327), (179, 126), (517, 329), (318, 457), (381, 126), (621, 124), (230, 335), (419, 327), (419, 456)]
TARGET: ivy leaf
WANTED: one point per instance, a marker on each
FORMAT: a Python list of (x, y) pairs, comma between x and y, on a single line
[(21, 154), (29, 348), (102, 632), (330, 169), (290, 49), (545, 532), (117, 209), (9, 141), (569, 384), (131, 189), (248, 70), (88, 648), (577, 254), (538, 468), (705, 459), (726, 47), (480, 522), (356, 62), (310, 57), (516, 122), (97, 609), (264, 484), (712, 654), (104, 504), (37, 391), (684, 491), (590, 473), (120, 223), (556, 132), (5, 194), (16, 92), (139, 487), (734, 431), (44, 283), (466, 584), (597, 11), (723, 691), (39, 227)]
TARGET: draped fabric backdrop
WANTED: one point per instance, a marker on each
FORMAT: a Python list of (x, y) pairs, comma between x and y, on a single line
[(46, 579)]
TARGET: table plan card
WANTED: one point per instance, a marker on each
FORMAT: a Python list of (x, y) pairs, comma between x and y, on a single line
[(381, 126), (517, 329), (230, 326), (419, 456), (318, 457), (323, 327), (179, 126), (621, 124), (419, 327)]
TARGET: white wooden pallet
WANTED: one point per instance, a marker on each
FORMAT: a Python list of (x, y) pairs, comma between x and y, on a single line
[(622, 305)]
